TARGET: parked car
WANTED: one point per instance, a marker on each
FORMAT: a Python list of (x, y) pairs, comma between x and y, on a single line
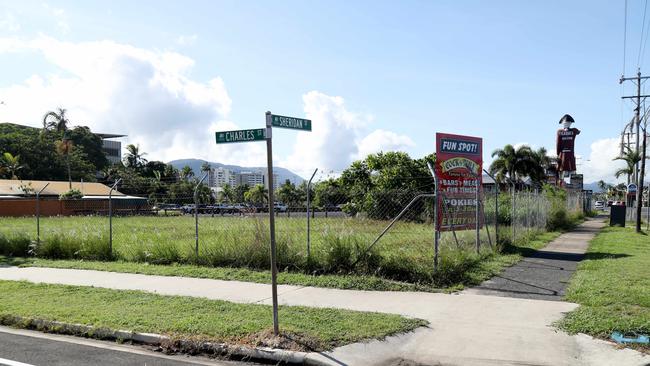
[(220, 208), (280, 207), (599, 205)]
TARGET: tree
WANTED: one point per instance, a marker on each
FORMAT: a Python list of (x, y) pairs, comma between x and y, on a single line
[(631, 158), (257, 195), (329, 193), (540, 164), (58, 121), (514, 163), (227, 193), (240, 192), (288, 194), (383, 183), (11, 164), (91, 145), (186, 173), (205, 167), (134, 158)]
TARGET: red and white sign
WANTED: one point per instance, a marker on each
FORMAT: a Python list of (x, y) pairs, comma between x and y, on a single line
[(459, 169)]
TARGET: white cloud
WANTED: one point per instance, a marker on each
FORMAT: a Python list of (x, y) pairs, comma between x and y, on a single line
[(337, 137), (118, 88), (60, 18), (9, 23), (601, 165), (149, 95), (184, 40), (381, 140)]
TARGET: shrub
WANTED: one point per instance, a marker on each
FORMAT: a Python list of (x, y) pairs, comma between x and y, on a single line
[(73, 194), (15, 245)]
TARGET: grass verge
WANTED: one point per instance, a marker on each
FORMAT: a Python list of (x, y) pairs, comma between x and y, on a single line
[(194, 318), (612, 285), (474, 272)]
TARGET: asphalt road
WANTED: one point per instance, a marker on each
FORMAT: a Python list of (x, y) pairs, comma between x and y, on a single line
[(29, 348)]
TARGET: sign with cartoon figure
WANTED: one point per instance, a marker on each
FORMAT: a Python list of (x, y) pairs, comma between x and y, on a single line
[(459, 167), (565, 144)]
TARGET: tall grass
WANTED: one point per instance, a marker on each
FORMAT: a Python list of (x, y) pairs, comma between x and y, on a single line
[(339, 245)]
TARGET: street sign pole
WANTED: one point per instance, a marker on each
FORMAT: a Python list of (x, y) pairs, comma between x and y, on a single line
[(274, 269)]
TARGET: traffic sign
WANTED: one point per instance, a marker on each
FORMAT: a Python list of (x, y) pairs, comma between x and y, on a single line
[(631, 188), (291, 123), (226, 137)]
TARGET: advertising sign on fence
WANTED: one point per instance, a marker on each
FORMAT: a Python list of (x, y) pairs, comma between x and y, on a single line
[(459, 168)]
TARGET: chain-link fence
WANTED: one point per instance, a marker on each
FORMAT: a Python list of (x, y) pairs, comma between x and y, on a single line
[(387, 233)]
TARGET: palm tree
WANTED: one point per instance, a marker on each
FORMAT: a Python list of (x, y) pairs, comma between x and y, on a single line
[(227, 193), (541, 163), (186, 173), (205, 167), (59, 122), (11, 164), (631, 158), (513, 163), (134, 158), (257, 194)]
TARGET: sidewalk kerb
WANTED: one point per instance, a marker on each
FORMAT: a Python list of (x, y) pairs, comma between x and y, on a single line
[(263, 354)]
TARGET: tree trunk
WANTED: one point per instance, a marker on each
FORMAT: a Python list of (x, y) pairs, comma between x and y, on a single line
[(67, 162)]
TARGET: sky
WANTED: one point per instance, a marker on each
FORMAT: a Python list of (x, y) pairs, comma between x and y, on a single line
[(371, 75)]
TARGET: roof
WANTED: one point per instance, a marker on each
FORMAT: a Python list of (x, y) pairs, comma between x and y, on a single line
[(104, 136), (55, 188)]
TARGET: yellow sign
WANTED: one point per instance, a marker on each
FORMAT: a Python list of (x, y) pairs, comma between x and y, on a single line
[(460, 163)]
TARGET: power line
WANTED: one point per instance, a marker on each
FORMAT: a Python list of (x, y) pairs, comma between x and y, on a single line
[(638, 60), (624, 37)]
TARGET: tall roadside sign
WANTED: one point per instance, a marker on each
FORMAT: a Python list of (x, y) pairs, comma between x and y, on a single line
[(260, 134), (459, 169)]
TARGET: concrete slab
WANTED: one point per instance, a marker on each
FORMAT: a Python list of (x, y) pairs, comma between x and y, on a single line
[(545, 274)]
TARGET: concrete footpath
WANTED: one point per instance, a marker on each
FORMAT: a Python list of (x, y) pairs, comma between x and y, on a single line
[(465, 329), (546, 273)]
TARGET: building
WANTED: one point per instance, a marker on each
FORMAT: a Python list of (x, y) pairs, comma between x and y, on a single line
[(18, 198), (220, 177), (112, 148), (251, 178)]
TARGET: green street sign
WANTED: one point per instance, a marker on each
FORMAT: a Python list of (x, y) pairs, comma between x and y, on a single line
[(291, 122), (226, 137)]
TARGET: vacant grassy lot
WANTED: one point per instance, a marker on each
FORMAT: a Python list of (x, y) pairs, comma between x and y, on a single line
[(238, 247), (612, 285), (193, 318)]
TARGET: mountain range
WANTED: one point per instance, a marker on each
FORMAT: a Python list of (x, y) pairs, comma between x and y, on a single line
[(282, 173)]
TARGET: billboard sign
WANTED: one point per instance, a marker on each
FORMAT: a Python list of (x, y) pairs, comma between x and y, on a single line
[(459, 168), (576, 182)]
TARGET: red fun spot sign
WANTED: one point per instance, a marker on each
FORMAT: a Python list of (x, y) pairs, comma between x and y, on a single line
[(459, 167)]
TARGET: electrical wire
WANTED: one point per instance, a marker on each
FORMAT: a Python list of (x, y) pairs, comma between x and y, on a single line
[(638, 61), (624, 37)]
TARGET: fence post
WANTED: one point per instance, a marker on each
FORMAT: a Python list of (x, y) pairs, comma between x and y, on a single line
[(308, 216), (38, 214), (496, 207), (512, 212), (110, 218), (477, 217), (436, 228), (196, 216)]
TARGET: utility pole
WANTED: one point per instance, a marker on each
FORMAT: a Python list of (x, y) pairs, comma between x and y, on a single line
[(637, 119), (639, 188)]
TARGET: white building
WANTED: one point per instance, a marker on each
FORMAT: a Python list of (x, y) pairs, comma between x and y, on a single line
[(251, 178), (219, 177)]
